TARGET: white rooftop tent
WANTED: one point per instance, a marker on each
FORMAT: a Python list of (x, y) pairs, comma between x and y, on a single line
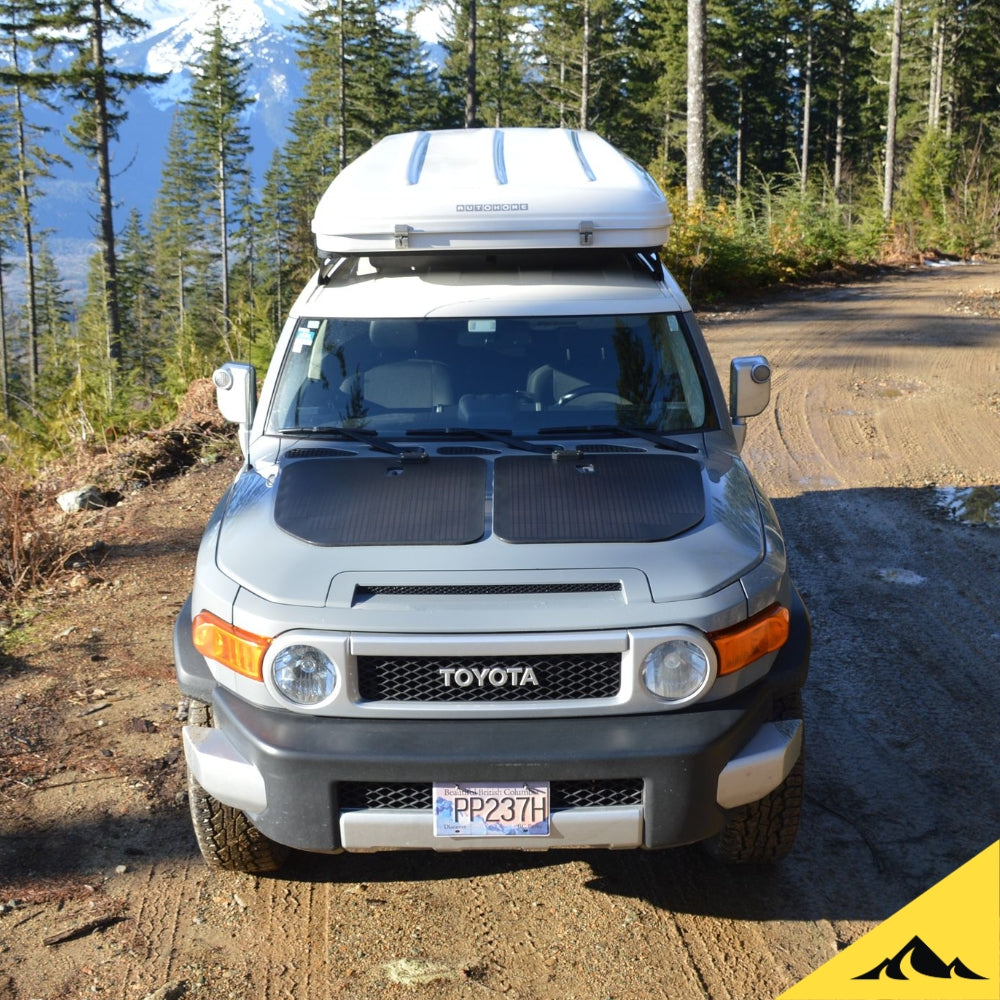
[(475, 189)]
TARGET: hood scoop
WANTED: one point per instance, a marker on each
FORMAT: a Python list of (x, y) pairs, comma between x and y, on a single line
[(382, 501), (606, 498)]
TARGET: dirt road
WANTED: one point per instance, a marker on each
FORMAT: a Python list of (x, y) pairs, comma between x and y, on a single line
[(884, 391)]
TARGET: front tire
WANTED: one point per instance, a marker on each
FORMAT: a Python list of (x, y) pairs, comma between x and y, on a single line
[(764, 831), (226, 838)]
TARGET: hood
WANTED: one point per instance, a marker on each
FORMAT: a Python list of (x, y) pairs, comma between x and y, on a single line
[(690, 528), (386, 501)]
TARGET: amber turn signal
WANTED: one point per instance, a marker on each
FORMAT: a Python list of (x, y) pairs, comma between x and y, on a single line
[(764, 633), (233, 647)]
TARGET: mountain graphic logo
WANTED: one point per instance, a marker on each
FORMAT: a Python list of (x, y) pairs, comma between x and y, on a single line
[(923, 961)]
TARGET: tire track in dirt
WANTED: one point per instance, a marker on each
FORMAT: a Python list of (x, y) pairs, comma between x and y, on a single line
[(156, 925), (493, 958), (903, 374), (729, 956)]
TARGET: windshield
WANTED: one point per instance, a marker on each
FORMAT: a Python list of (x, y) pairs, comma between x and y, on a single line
[(518, 374)]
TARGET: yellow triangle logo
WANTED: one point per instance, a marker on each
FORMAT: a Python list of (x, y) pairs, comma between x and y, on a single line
[(945, 945)]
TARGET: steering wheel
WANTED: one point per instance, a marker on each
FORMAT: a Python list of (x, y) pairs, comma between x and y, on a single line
[(587, 390)]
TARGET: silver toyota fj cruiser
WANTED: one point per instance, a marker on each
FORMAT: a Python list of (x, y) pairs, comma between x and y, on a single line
[(493, 574)]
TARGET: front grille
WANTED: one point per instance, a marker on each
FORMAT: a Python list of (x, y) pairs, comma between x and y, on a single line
[(483, 589), (563, 794), (607, 449), (320, 453), (361, 795), (558, 677), (591, 794)]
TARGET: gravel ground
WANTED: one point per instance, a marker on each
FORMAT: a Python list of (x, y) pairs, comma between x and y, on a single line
[(885, 416)]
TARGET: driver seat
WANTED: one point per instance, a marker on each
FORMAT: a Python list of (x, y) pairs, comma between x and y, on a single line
[(548, 385)]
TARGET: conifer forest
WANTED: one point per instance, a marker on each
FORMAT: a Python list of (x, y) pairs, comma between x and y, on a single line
[(793, 138)]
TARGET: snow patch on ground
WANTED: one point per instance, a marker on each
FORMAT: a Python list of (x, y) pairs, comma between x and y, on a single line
[(970, 504), (905, 577)]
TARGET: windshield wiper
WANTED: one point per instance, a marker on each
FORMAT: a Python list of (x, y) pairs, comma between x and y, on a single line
[(617, 430), (370, 438), (504, 437)]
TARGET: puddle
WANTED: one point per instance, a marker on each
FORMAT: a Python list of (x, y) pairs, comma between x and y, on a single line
[(970, 504), (888, 387)]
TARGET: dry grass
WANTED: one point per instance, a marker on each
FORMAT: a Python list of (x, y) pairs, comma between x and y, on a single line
[(37, 541), (34, 548)]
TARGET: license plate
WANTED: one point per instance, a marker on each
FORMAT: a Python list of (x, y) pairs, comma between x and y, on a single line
[(480, 810)]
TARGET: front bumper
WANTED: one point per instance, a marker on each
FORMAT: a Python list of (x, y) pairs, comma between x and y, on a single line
[(287, 772)]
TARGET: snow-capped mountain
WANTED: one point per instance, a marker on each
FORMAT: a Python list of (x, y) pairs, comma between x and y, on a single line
[(178, 30)]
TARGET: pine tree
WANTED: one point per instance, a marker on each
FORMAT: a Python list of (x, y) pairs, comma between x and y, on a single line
[(501, 93), (459, 70), (277, 242), (97, 88), (8, 222), (250, 314), (582, 57), (840, 133), (55, 315), (142, 346), (183, 260), (375, 51), (316, 148), (27, 80), (220, 138), (752, 96), (86, 402), (361, 84), (416, 80), (658, 87)]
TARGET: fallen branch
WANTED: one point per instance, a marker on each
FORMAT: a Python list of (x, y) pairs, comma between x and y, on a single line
[(82, 930)]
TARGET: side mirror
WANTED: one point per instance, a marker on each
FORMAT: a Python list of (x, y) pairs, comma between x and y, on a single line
[(236, 396), (749, 391), (236, 391)]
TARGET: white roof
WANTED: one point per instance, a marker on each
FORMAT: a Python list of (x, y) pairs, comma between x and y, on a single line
[(560, 292), (515, 188)]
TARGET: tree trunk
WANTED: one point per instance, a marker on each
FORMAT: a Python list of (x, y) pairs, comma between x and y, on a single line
[(936, 72), (471, 99), (806, 104), (27, 238), (890, 120), (841, 125), (4, 363), (562, 91), (585, 67), (102, 144), (342, 86), (696, 100), (224, 235), (741, 131)]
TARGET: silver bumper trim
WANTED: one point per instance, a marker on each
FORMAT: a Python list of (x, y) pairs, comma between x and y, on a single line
[(223, 771), (403, 829), (761, 765)]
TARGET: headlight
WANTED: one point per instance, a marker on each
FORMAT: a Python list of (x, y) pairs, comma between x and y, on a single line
[(677, 670), (304, 674)]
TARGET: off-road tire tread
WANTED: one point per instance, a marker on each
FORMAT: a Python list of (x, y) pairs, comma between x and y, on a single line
[(763, 832), (226, 838)]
